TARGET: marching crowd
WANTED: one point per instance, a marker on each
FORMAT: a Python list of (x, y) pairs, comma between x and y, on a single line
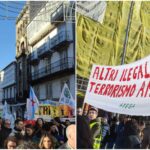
[(121, 132), (38, 135)]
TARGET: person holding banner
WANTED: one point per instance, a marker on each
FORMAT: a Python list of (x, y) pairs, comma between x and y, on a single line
[(95, 124)]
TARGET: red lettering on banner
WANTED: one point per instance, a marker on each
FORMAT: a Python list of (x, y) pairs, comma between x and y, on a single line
[(129, 74), (116, 75), (132, 90), (146, 74), (108, 70), (135, 73), (126, 90), (123, 75), (96, 73), (97, 88), (113, 94), (120, 91), (141, 90), (111, 77), (92, 84), (147, 89), (101, 75), (110, 90), (140, 73), (106, 90), (102, 87)]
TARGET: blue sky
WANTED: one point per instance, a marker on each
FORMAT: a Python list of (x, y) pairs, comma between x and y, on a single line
[(7, 42), (8, 32)]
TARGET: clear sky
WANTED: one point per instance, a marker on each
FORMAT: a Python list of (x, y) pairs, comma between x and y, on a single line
[(8, 31)]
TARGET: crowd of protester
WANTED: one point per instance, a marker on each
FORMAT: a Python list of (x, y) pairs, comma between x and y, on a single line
[(118, 132), (38, 135)]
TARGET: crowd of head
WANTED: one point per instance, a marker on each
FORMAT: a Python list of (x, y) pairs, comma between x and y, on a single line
[(39, 135), (118, 131)]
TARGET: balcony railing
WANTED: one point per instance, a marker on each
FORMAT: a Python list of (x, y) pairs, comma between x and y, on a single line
[(58, 14), (61, 39), (34, 59), (9, 100), (61, 65), (44, 50)]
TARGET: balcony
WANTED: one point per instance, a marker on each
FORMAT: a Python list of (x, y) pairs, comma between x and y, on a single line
[(59, 66), (62, 39), (9, 100), (34, 60), (44, 51), (58, 15)]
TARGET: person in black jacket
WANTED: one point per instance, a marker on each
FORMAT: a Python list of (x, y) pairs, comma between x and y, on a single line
[(84, 138), (105, 132), (131, 135), (5, 131), (146, 138)]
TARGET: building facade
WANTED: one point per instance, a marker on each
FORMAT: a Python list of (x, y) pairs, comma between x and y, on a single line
[(8, 86), (52, 49), (1, 92), (21, 59)]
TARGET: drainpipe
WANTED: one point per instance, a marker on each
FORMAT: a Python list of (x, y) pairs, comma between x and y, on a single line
[(127, 33)]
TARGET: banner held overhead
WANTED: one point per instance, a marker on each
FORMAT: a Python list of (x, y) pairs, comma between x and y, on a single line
[(121, 89)]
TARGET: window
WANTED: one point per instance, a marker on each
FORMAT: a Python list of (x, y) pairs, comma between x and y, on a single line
[(20, 66), (17, 49), (10, 92), (49, 91), (37, 91), (22, 46)]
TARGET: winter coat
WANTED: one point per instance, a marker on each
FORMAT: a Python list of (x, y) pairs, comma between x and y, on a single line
[(120, 136), (4, 133), (105, 134), (146, 138), (95, 130), (132, 142), (17, 133), (65, 146)]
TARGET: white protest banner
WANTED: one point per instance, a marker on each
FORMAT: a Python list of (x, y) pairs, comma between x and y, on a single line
[(92, 9), (121, 89)]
